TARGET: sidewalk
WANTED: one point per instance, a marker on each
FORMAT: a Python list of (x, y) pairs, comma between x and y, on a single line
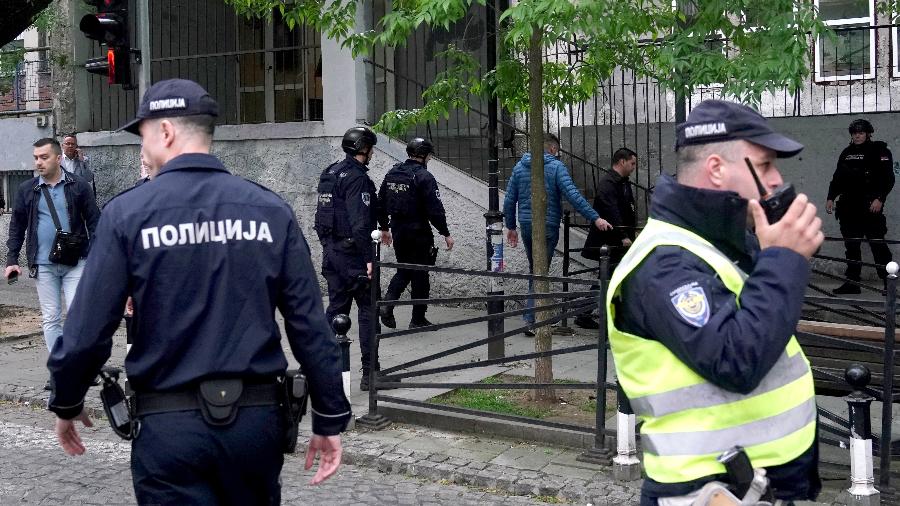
[(505, 465)]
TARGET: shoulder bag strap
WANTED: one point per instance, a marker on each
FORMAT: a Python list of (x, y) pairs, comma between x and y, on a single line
[(52, 207)]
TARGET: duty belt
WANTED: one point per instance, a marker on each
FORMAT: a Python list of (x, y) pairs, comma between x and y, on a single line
[(216, 399)]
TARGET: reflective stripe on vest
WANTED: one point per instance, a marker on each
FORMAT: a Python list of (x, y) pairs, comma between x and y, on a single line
[(688, 421)]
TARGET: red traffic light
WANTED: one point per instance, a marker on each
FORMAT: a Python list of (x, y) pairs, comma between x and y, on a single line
[(115, 66)]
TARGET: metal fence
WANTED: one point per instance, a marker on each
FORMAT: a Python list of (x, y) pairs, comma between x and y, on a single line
[(24, 81), (258, 71), (856, 72)]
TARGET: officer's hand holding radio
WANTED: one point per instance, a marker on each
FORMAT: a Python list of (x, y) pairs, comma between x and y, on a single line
[(799, 230)]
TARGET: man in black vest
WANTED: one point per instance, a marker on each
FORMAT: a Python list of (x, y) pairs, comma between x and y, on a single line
[(861, 183), (410, 196), (345, 219)]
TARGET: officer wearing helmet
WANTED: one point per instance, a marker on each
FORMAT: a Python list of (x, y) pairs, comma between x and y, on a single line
[(411, 201), (860, 185), (345, 217)]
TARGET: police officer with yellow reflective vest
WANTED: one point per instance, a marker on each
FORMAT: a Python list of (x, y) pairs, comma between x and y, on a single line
[(861, 183), (346, 215), (207, 257), (702, 312), (410, 197)]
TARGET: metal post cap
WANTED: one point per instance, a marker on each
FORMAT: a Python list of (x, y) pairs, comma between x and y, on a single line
[(376, 235), (341, 324), (858, 376), (892, 268)]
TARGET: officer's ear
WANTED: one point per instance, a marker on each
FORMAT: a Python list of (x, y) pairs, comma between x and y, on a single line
[(715, 168), (167, 132)]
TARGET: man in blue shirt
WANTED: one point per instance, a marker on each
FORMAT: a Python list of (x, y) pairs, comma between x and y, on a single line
[(559, 184), (77, 212)]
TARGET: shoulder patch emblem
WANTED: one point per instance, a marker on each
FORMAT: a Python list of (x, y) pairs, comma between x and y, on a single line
[(691, 304), (366, 198)]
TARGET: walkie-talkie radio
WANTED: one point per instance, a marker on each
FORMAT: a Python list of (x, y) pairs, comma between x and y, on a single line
[(775, 203)]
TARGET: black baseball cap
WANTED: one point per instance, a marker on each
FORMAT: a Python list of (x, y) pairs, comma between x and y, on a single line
[(721, 121), (171, 98)]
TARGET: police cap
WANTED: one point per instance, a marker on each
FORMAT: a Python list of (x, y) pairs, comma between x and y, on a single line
[(721, 121), (860, 125), (172, 98), (419, 148), (358, 138)]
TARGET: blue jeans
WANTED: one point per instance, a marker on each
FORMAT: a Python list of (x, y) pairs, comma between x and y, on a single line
[(552, 239), (54, 280)]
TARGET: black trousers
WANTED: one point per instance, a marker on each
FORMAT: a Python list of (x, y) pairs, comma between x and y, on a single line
[(345, 273), (863, 223), (412, 248), (178, 459)]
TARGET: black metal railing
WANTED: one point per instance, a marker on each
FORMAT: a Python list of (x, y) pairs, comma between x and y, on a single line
[(560, 304), (626, 110), (24, 82)]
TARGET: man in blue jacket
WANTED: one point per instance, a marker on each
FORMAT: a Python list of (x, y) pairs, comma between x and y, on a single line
[(33, 224), (559, 184)]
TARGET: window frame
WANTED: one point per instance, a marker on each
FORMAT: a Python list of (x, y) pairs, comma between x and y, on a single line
[(837, 23)]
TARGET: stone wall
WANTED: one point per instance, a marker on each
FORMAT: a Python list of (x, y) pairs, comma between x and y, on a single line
[(291, 167)]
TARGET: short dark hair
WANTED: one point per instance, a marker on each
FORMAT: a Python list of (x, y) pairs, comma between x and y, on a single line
[(73, 135), (201, 123), (47, 140), (551, 141), (622, 154)]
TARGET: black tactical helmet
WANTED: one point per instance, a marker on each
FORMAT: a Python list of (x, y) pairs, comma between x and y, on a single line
[(419, 148), (861, 125), (358, 138)]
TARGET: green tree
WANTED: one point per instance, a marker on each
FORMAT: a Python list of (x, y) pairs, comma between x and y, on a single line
[(681, 47)]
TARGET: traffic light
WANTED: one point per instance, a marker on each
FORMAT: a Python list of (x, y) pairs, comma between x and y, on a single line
[(109, 26)]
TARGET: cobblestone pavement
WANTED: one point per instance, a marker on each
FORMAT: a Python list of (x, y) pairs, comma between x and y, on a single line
[(34, 470)]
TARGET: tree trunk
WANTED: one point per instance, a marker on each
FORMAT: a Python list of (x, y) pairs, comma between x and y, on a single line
[(63, 67), (18, 15), (543, 366)]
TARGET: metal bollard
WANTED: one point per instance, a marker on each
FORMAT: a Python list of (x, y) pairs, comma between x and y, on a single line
[(626, 465), (341, 325), (862, 490)]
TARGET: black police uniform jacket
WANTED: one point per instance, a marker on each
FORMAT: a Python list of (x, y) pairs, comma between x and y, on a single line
[(738, 345), (347, 210), (207, 257), (410, 195), (614, 201), (80, 206), (864, 173)]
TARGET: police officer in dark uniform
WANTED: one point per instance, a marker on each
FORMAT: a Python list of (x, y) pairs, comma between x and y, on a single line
[(861, 183), (207, 257), (410, 196), (346, 215)]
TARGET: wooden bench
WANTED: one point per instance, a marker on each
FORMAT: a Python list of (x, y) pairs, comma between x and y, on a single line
[(834, 358)]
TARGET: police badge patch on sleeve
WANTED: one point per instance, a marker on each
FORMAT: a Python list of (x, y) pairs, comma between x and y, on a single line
[(691, 304), (366, 198)]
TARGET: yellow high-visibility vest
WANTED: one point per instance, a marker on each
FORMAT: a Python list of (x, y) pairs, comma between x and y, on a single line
[(688, 421)]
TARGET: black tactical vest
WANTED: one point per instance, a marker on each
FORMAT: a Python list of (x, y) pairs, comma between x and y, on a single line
[(400, 193)]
